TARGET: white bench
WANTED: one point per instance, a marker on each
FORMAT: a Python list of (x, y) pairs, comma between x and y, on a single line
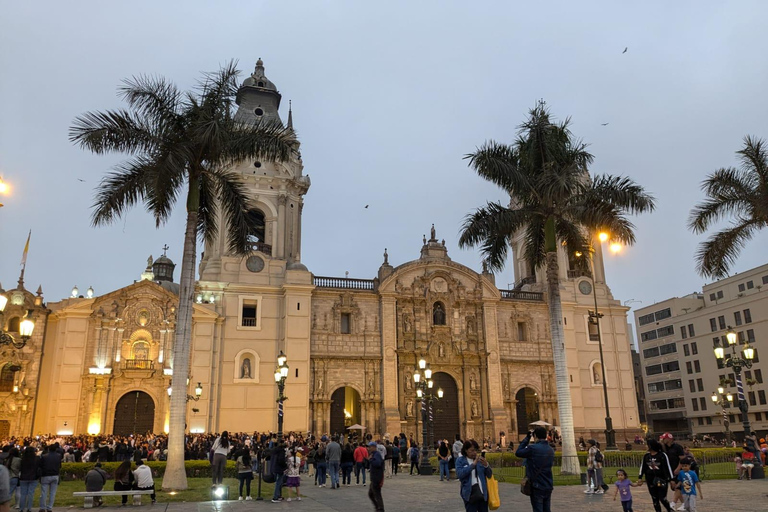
[(130, 492)]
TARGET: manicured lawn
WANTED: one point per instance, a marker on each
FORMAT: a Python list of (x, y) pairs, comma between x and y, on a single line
[(199, 490)]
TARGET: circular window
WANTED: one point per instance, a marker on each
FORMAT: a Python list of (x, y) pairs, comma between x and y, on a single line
[(258, 112), (257, 164), (260, 84)]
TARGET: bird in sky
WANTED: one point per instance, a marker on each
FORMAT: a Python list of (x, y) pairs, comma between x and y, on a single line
[(604, 124), (625, 49), (78, 179), (366, 206)]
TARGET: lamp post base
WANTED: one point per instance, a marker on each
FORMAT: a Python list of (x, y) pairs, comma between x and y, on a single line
[(610, 435)]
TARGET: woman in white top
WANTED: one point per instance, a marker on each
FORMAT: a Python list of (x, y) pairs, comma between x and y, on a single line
[(220, 449)]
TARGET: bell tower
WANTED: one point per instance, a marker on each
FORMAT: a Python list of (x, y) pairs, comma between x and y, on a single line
[(277, 189)]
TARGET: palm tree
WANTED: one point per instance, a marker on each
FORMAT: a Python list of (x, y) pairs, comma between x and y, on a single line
[(554, 202), (737, 193), (180, 144)]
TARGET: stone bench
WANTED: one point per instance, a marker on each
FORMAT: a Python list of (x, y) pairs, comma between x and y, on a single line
[(130, 492)]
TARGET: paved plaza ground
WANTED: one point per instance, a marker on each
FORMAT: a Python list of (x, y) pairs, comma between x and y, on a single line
[(417, 494)]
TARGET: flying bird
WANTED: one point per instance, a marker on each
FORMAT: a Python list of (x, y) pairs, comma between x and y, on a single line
[(604, 124), (78, 179), (625, 49), (366, 206)]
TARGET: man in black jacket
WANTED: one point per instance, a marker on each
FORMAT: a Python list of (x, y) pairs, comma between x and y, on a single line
[(278, 465), (50, 466), (538, 468), (376, 462)]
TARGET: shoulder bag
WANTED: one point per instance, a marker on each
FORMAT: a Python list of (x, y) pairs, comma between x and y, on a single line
[(476, 496)]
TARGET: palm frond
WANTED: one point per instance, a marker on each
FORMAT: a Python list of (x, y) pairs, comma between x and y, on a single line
[(729, 192), (534, 246), (497, 163), (268, 140), (113, 131), (166, 176), (715, 256), (622, 192), (120, 190), (153, 97), (208, 209), (234, 203), (491, 228), (754, 158)]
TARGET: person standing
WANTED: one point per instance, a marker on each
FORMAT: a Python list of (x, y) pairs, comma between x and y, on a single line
[(689, 484), (658, 473), (388, 459), (414, 456), (28, 477), (538, 468), (395, 457), (360, 456), (595, 464), (473, 470), (322, 465), (143, 479), (376, 463), (244, 467), (14, 468), (220, 450), (50, 466), (347, 463), (333, 454), (124, 478), (444, 458), (278, 466), (674, 453), (294, 467)]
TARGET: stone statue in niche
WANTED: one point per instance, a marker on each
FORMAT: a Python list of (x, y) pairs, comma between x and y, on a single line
[(506, 386), (319, 384), (597, 377), (406, 323), (470, 326), (441, 350), (409, 409), (475, 411), (438, 314), (370, 385), (472, 381), (245, 368), (408, 381)]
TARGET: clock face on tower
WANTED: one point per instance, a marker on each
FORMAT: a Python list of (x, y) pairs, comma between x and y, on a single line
[(254, 264), (585, 287)]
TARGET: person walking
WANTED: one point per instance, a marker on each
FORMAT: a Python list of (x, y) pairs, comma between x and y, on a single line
[(360, 456), (143, 479), (322, 465), (473, 470), (395, 457), (376, 463), (623, 488), (674, 453), (50, 467), (28, 477), (95, 480), (595, 464), (220, 450), (658, 473), (347, 463), (413, 454), (278, 465), (538, 468), (244, 474), (124, 479), (333, 455), (293, 480), (444, 458), (388, 459), (689, 484)]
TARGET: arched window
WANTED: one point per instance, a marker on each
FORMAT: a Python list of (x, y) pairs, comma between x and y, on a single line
[(438, 313), (256, 225), (6, 378)]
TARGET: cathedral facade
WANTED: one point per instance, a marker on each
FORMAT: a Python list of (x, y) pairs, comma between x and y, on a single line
[(104, 364)]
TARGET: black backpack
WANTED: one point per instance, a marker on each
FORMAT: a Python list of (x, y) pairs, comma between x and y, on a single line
[(599, 456)]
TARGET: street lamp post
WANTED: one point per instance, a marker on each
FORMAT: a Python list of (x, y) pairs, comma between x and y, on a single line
[(426, 397), (594, 319), (737, 363), (724, 400), (195, 397), (26, 326), (281, 373)]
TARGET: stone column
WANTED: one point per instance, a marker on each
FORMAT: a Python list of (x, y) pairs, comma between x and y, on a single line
[(281, 225), (495, 391), (390, 420), (298, 232)]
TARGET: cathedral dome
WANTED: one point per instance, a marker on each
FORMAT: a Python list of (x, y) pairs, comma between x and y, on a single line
[(258, 79), (163, 269)]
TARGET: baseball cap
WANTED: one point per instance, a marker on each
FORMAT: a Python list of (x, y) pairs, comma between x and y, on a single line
[(665, 435), (372, 443)]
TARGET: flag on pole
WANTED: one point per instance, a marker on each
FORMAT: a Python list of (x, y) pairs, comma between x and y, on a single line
[(26, 250)]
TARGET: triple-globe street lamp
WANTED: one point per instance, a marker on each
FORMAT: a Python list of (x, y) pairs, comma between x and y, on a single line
[(425, 395), (724, 400), (737, 362)]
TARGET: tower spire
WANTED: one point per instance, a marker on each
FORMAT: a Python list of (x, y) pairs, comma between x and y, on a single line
[(290, 115)]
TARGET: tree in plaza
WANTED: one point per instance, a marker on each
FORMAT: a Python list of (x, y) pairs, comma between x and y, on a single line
[(181, 144), (740, 194), (554, 202)]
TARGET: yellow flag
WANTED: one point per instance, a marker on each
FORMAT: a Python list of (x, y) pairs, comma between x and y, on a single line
[(26, 250)]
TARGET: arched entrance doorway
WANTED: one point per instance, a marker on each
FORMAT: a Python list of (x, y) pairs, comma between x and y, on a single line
[(134, 414), (527, 409), (446, 410), (345, 409)]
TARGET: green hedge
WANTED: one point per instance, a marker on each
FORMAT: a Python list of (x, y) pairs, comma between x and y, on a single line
[(195, 469)]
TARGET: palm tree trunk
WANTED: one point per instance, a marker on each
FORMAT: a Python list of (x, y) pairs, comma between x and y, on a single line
[(570, 462), (175, 477)]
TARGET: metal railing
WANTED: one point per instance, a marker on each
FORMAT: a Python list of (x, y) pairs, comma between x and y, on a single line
[(249, 322), (521, 295), (261, 247), (138, 364), (346, 283), (573, 274)]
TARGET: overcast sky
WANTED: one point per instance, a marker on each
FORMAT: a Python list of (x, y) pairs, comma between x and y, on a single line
[(386, 103)]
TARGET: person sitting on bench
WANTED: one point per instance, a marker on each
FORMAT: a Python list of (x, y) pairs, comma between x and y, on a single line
[(124, 479), (94, 482), (144, 481)]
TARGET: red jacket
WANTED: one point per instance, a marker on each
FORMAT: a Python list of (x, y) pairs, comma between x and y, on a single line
[(360, 454)]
